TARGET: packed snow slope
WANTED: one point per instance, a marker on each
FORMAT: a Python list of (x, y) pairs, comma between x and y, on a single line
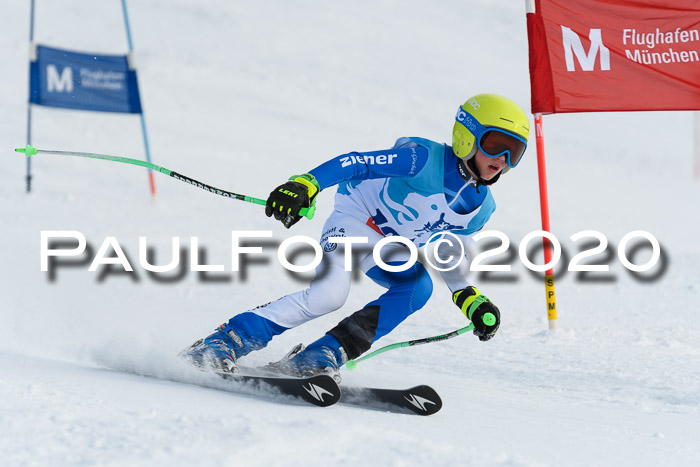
[(241, 95)]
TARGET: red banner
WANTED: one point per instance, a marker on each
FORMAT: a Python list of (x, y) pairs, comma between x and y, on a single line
[(605, 55)]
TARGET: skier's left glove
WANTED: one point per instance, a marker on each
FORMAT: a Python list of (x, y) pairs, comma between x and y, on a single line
[(287, 199), (483, 314)]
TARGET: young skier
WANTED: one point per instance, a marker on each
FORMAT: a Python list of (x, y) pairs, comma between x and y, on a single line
[(415, 189)]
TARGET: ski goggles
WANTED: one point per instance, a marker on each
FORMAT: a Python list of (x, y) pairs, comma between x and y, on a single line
[(494, 142)]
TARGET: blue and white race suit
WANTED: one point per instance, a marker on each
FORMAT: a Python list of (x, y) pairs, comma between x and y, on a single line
[(416, 189)]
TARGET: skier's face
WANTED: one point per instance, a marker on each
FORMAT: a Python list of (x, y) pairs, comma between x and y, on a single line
[(489, 167)]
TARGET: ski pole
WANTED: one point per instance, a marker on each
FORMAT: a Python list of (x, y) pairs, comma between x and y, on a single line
[(352, 364), (31, 150)]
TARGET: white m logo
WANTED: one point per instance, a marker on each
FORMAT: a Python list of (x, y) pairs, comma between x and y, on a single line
[(573, 46), (59, 83)]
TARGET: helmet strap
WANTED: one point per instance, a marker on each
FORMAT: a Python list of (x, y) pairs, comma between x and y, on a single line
[(480, 181), (466, 176)]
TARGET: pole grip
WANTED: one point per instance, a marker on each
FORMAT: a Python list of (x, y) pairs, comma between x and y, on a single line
[(308, 212)]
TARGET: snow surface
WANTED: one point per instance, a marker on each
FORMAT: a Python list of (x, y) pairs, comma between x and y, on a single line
[(241, 95)]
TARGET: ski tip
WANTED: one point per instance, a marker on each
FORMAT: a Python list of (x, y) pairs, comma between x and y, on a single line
[(28, 151), (423, 400), (419, 400), (320, 390)]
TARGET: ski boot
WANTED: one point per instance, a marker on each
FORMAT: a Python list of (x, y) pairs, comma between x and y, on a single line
[(215, 352), (325, 356)]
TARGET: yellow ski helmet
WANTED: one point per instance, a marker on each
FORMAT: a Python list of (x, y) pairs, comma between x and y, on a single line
[(494, 124)]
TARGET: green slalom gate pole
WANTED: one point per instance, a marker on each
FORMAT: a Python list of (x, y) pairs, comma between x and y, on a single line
[(352, 364), (31, 150)]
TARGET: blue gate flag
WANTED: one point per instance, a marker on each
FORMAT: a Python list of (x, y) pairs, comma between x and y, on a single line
[(72, 80)]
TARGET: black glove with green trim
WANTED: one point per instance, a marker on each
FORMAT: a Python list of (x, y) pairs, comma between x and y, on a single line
[(483, 314), (287, 199)]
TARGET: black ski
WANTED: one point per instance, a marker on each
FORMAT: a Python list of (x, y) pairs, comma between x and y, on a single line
[(420, 400), (320, 390)]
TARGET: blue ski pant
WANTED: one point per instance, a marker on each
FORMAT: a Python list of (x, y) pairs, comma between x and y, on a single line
[(406, 292)]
